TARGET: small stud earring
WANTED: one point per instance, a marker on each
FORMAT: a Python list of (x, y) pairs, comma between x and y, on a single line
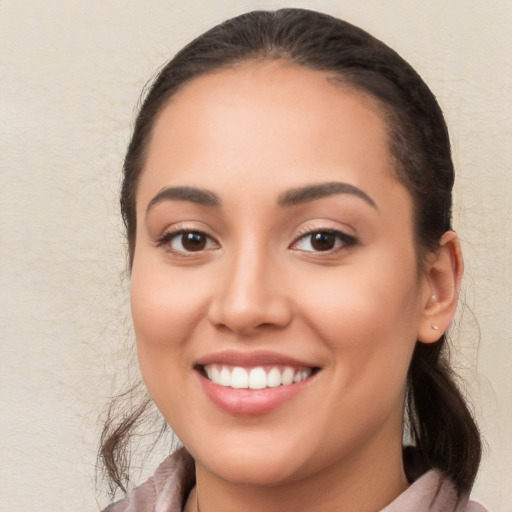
[(434, 326)]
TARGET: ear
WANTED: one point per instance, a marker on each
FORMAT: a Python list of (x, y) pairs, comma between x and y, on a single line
[(443, 274)]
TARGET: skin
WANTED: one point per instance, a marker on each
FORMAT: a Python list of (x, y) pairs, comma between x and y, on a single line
[(250, 134)]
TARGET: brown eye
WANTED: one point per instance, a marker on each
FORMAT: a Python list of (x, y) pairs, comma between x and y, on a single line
[(193, 241), (183, 242), (323, 241)]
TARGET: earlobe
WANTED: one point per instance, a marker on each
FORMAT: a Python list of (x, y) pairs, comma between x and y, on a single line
[(443, 276)]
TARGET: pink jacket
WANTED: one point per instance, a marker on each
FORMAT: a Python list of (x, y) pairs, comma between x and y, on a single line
[(168, 488)]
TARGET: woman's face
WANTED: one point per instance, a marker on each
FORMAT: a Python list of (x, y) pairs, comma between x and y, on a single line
[(275, 250)]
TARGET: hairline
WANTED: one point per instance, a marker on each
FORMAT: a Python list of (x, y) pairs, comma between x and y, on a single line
[(380, 107)]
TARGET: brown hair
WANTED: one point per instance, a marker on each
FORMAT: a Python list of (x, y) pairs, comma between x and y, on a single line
[(439, 421)]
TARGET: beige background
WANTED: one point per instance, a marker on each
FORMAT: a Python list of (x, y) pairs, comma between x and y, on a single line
[(70, 75)]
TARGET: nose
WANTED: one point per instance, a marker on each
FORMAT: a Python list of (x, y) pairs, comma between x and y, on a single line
[(251, 295)]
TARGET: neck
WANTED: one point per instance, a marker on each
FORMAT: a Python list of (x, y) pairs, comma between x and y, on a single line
[(366, 482)]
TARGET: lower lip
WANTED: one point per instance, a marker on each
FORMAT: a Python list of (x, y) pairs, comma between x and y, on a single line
[(251, 402)]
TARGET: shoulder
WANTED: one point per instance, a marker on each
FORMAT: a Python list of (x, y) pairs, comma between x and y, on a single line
[(165, 491), (474, 506), (432, 493)]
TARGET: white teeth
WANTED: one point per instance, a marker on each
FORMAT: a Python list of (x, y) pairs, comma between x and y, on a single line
[(287, 376), (239, 378), (255, 378), (274, 378), (224, 377), (214, 374), (301, 375)]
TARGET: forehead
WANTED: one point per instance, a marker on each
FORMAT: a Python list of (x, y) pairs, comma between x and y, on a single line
[(267, 120)]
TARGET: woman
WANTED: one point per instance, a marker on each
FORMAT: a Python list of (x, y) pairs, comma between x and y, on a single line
[(287, 199)]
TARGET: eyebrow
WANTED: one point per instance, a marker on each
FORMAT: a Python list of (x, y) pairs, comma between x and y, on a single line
[(291, 197), (191, 194), (318, 191)]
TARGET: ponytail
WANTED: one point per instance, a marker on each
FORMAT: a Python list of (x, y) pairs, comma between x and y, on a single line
[(440, 422)]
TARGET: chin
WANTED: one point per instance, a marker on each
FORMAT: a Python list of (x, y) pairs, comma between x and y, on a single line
[(256, 471), (253, 464)]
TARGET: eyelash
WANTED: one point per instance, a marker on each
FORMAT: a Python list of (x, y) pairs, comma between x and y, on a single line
[(169, 237), (342, 240)]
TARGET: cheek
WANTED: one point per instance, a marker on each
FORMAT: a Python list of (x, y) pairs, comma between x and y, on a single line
[(364, 302), (162, 316), (163, 303), (165, 310), (367, 314)]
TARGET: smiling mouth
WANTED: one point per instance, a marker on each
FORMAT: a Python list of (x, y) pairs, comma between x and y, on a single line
[(258, 377)]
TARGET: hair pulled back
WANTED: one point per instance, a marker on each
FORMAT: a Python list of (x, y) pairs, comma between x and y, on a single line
[(439, 421)]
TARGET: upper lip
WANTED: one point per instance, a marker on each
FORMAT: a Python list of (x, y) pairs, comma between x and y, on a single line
[(251, 359)]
